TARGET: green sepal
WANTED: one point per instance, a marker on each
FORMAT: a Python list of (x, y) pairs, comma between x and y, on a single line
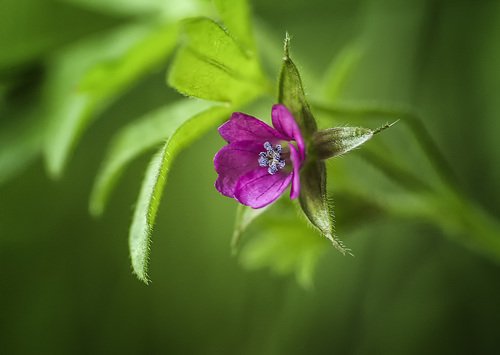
[(291, 94), (313, 196), (315, 203), (331, 142)]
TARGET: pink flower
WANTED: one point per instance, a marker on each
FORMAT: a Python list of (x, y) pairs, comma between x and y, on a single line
[(260, 161)]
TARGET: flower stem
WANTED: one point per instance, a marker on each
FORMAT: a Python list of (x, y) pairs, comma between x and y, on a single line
[(444, 205)]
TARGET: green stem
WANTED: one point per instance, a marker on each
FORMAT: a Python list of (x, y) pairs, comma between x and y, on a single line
[(443, 205), (457, 218), (474, 225)]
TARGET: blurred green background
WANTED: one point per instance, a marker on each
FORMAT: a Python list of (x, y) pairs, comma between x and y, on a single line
[(66, 284)]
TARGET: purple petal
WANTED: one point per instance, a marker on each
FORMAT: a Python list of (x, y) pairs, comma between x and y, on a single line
[(296, 163), (285, 124), (232, 162), (258, 188), (242, 127)]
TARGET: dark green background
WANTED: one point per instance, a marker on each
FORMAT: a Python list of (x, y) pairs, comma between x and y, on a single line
[(65, 281)]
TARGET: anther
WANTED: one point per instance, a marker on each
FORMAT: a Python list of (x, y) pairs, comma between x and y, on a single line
[(271, 158)]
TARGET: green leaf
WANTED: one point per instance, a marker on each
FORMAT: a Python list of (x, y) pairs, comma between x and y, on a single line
[(336, 141), (171, 9), (20, 144), (213, 66), (154, 182), (315, 203), (244, 217), (236, 16), (291, 94), (137, 138), (340, 69), (31, 29), (285, 244), (145, 214), (86, 78), (211, 41), (110, 76)]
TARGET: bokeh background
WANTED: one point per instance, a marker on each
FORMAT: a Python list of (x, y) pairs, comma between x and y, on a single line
[(66, 284)]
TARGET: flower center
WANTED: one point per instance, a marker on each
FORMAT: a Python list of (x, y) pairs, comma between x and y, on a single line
[(271, 158)]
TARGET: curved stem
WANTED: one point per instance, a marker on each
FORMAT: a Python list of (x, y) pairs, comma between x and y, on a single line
[(445, 206)]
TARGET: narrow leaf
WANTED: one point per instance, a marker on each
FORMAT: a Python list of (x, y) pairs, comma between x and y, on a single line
[(315, 204), (154, 182), (110, 76), (145, 214), (87, 77), (137, 138), (291, 94)]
